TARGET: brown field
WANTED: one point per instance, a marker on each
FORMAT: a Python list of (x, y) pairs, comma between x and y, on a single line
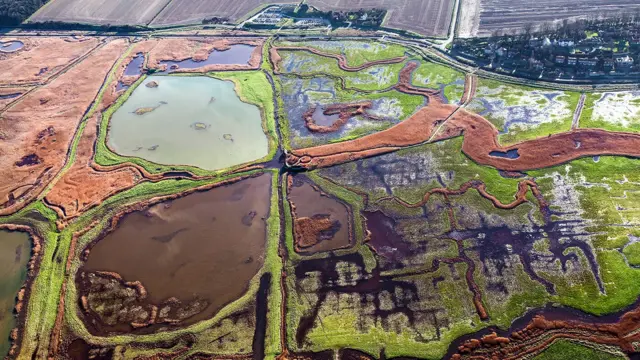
[(45, 56), (37, 131), (426, 17), (194, 11), (101, 12), (482, 17)]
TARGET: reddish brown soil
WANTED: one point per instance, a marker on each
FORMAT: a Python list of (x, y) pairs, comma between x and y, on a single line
[(38, 53), (540, 333), (198, 49), (480, 139), (345, 112), (342, 61), (82, 186), (404, 84), (11, 91), (417, 129), (37, 131), (307, 230)]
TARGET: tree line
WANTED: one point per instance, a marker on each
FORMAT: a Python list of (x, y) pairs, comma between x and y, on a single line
[(14, 12)]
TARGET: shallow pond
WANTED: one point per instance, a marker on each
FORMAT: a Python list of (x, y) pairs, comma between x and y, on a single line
[(15, 252), (11, 46), (205, 246), (236, 54), (188, 120), (323, 220)]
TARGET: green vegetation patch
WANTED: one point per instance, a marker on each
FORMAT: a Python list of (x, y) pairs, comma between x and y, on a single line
[(567, 349)]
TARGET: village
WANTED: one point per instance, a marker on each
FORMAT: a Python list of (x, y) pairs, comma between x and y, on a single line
[(586, 50)]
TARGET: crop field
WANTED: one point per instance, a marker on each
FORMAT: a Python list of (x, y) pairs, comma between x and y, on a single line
[(310, 200), (482, 17), (101, 12), (425, 17)]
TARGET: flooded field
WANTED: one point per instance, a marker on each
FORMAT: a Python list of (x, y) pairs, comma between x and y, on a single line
[(15, 251), (192, 255), (321, 222), (237, 54), (185, 120)]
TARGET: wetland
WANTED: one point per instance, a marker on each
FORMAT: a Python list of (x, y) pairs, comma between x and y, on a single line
[(188, 120), (185, 258), (15, 252)]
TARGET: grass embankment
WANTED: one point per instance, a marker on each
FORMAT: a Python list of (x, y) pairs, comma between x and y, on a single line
[(565, 349), (306, 64), (251, 86), (41, 299), (208, 329), (355, 52)]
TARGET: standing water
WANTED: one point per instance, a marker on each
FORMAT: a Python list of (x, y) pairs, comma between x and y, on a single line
[(15, 251), (188, 120), (11, 46)]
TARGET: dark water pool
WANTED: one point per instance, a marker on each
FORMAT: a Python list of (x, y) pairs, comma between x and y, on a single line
[(237, 54), (510, 154)]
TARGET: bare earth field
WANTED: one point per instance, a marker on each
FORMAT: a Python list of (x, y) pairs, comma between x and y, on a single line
[(427, 17), (101, 12), (194, 11), (505, 15)]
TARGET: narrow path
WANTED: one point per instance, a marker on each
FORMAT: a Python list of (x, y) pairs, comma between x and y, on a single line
[(578, 112)]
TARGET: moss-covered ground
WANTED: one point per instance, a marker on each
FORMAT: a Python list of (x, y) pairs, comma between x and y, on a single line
[(565, 349), (523, 112)]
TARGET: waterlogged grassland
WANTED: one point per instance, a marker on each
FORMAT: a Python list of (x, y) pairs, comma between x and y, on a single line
[(604, 195), (439, 77), (614, 111), (566, 349), (303, 63), (251, 86), (355, 52), (299, 94), (523, 113)]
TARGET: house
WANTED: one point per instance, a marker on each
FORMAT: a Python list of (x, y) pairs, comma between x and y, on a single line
[(560, 59), (572, 61), (624, 62), (588, 62)]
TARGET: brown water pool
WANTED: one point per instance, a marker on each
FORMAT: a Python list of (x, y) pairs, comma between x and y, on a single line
[(201, 250)]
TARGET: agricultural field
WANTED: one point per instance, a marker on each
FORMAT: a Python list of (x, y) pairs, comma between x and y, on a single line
[(431, 18), (241, 197), (101, 12), (483, 17)]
